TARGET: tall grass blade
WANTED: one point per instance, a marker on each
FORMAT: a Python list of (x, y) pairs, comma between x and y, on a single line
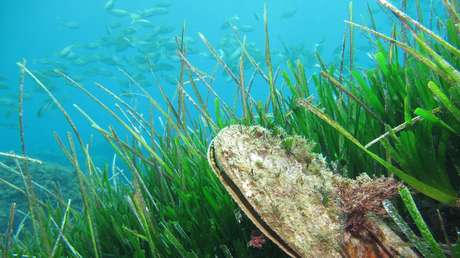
[(407, 19), (419, 244), (420, 222), (444, 99), (9, 232), (420, 186)]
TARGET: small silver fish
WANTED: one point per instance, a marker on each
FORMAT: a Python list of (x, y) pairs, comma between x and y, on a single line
[(47, 106), (154, 12), (66, 51), (288, 14), (246, 28), (119, 12), (109, 5), (164, 4), (92, 45), (71, 25)]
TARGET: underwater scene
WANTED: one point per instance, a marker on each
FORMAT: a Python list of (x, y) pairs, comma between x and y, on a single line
[(263, 128)]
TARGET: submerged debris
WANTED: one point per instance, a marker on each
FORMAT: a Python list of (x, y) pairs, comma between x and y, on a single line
[(295, 200)]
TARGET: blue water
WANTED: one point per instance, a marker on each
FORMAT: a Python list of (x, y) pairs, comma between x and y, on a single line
[(38, 31)]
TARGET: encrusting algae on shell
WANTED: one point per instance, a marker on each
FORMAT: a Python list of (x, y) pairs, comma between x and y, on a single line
[(295, 200)]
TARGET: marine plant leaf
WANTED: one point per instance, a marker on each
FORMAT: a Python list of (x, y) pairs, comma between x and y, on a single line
[(437, 194), (420, 222)]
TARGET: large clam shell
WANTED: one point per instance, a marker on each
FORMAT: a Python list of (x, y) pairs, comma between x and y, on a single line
[(289, 193)]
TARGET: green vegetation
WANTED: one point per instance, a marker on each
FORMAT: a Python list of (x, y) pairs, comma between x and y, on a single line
[(401, 117)]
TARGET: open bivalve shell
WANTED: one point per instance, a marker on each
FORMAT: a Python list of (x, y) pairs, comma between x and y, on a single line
[(292, 196)]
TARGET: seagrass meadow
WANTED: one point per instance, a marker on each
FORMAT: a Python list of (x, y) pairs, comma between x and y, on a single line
[(157, 196)]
